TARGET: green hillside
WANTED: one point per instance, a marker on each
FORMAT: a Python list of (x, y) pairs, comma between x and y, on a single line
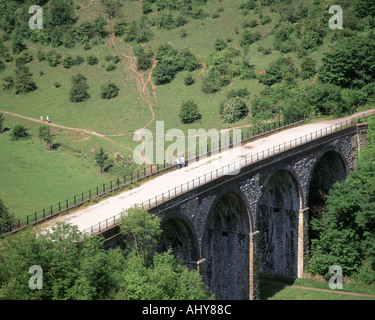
[(140, 60)]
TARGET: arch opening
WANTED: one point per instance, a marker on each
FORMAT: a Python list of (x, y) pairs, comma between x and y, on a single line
[(329, 169), (226, 249), (178, 236), (278, 225)]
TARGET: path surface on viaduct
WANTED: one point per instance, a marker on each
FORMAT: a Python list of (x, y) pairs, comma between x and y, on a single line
[(234, 227)]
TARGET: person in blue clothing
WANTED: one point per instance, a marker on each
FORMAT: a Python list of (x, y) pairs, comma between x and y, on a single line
[(178, 163), (183, 161)]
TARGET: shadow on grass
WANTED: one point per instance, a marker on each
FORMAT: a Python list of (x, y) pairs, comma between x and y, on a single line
[(270, 285)]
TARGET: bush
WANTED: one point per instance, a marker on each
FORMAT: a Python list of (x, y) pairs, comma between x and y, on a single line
[(109, 91), (163, 73), (23, 81), (189, 112), (277, 71), (25, 57), (308, 68), (144, 59), (19, 132), (41, 55), (110, 67), (234, 110), (8, 82), (92, 60), (79, 90), (213, 82), (247, 38), (189, 80), (220, 45), (53, 58), (68, 62)]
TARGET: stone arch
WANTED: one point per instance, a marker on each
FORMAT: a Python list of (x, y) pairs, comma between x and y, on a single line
[(278, 215), (178, 234), (329, 168), (225, 246)]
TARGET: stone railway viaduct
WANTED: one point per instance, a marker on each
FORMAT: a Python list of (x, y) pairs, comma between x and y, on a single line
[(236, 227)]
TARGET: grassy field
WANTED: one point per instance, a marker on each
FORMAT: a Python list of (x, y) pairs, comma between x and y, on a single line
[(273, 288)]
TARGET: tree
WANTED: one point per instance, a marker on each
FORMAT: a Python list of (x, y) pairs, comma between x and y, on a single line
[(20, 132), (6, 218), (23, 80), (61, 12), (350, 63), (326, 99), (277, 71), (141, 231), (112, 7), (17, 44), (76, 267), (79, 90), (101, 158), (189, 112), (92, 60), (109, 91), (308, 68), (46, 135), (234, 109)]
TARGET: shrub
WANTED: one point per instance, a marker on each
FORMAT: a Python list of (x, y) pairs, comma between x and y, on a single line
[(144, 59), (189, 80), (164, 73), (25, 57), (234, 110), (68, 62), (308, 68), (8, 82), (213, 82), (220, 45), (78, 60), (189, 112), (41, 55), (110, 66), (19, 132), (109, 91), (79, 90), (92, 60), (247, 38), (53, 58), (23, 81)]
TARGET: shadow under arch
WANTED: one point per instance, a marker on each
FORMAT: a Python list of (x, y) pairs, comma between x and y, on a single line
[(178, 234), (278, 214), (225, 246), (330, 168)]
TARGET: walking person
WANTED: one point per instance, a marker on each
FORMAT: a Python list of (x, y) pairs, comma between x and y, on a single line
[(178, 163), (183, 161), (47, 118), (41, 118)]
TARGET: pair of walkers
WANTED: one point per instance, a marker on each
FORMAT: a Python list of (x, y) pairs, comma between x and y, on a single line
[(47, 118), (180, 162)]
